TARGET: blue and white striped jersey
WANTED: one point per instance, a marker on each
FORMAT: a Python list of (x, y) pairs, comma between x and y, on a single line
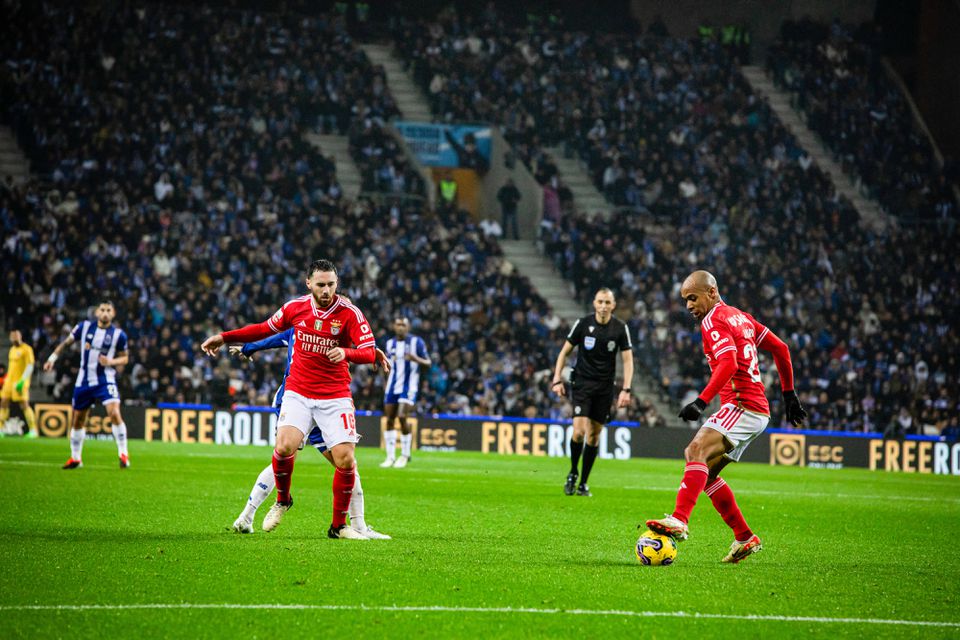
[(404, 378), (94, 342)]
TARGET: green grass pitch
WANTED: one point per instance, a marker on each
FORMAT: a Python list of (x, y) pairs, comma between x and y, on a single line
[(484, 546)]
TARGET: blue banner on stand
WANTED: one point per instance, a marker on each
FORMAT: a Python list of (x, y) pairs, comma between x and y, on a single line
[(448, 145)]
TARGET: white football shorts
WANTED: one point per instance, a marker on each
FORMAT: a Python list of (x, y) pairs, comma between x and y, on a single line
[(739, 426), (335, 418)]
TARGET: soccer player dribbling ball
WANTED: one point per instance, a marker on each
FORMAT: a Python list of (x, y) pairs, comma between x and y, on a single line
[(317, 390), (730, 341)]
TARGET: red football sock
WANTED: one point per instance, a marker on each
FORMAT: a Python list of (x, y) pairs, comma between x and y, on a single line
[(283, 474), (694, 480), (342, 490), (726, 505)]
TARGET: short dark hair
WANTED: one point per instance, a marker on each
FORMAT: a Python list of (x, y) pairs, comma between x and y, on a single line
[(401, 318), (107, 301), (321, 265)]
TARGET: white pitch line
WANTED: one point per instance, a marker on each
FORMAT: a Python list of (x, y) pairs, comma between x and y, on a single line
[(446, 609)]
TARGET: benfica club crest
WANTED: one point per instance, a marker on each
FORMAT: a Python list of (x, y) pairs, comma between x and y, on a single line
[(335, 327), (318, 324)]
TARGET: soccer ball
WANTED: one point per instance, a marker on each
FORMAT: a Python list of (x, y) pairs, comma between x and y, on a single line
[(654, 549)]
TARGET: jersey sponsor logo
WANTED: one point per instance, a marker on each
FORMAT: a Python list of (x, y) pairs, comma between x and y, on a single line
[(335, 327), (589, 342), (591, 328), (318, 325), (364, 329), (611, 345), (576, 410), (278, 316), (301, 324)]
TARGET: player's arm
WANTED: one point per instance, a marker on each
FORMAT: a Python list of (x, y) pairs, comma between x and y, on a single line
[(120, 359), (275, 341), (27, 371), (69, 340), (771, 343), (556, 385), (719, 340), (626, 354), (365, 345), (419, 355), (251, 333)]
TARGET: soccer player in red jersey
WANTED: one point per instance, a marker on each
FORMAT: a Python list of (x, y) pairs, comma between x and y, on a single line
[(318, 386), (730, 341)]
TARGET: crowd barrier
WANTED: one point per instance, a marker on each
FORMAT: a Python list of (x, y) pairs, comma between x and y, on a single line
[(255, 426)]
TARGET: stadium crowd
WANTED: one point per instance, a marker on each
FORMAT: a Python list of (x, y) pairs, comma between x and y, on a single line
[(669, 127), (179, 184), (836, 76)]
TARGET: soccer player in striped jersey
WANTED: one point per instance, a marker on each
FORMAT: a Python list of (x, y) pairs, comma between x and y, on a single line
[(406, 353), (104, 347), (265, 484), (730, 341)]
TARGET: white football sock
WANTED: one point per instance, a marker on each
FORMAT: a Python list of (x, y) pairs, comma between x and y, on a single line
[(120, 435), (355, 511), (390, 442), (76, 443), (262, 489), (405, 440)]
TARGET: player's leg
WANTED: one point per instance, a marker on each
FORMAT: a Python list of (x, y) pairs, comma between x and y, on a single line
[(591, 448), (390, 434), (581, 425), (288, 442), (706, 444), (4, 406), (261, 490), (337, 421), (744, 428), (119, 430), (28, 414), (77, 431), (406, 435), (344, 480)]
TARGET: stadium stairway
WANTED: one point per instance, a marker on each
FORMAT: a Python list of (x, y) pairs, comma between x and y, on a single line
[(529, 262), (587, 198), (338, 147), (12, 161), (410, 100), (869, 210)]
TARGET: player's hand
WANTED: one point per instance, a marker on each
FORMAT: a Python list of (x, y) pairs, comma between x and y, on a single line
[(48, 365), (381, 361), (212, 345), (796, 414), (104, 360), (623, 399), (19, 386), (237, 350), (336, 354), (693, 410), (558, 388)]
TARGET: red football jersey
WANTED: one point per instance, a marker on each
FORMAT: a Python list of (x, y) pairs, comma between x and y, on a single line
[(727, 329), (316, 330)]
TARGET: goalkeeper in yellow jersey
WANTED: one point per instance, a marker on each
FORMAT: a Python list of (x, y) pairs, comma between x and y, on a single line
[(16, 386)]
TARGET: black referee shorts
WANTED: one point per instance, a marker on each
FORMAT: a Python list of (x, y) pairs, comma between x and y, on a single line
[(592, 402)]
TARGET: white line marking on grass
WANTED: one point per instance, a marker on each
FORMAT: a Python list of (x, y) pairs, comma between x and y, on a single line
[(445, 609)]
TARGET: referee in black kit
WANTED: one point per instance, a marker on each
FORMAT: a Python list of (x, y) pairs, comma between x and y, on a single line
[(600, 336)]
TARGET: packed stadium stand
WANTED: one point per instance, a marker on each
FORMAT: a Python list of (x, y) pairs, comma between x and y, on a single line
[(836, 76), (176, 178)]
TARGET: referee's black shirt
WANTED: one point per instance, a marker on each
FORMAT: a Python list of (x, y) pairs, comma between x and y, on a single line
[(599, 346)]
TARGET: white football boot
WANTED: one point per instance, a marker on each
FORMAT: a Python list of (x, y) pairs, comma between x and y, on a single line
[(401, 462), (372, 534), (242, 525), (669, 526), (275, 515), (740, 550)]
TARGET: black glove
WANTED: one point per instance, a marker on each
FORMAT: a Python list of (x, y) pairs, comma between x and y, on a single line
[(796, 414), (693, 410)]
